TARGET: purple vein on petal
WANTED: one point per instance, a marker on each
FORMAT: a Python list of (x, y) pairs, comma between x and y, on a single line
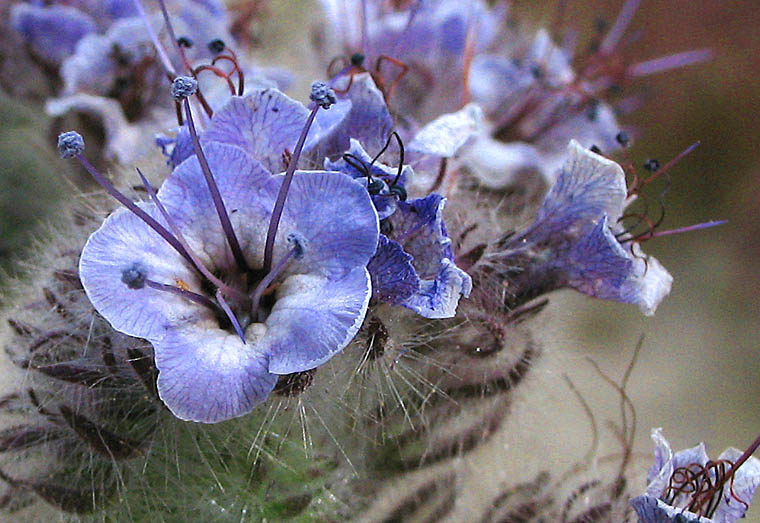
[(216, 197)]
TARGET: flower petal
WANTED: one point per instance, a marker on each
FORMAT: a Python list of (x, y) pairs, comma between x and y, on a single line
[(248, 191), (52, 31), (418, 227), (122, 242), (206, 374), (369, 121), (448, 133), (745, 482), (652, 510), (314, 318), (589, 186), (394, 279), (498, 165), (263, 123)]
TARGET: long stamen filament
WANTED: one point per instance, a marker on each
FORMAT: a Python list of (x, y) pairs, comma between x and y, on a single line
[(279, 205), (226, 289), (190, 295), (267, 281), (156, 42), (132, 206), (172, 35), (231, 315), (216, 197)]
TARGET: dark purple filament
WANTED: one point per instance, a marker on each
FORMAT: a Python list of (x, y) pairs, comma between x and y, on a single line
[(132, 206), (279, 205), (267, 281), (190, 295), (198, 264), (216, 197)]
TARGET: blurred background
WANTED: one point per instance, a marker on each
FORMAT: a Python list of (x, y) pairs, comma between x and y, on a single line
[(698, 372)]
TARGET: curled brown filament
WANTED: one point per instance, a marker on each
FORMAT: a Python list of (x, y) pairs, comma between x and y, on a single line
[(702, 485)]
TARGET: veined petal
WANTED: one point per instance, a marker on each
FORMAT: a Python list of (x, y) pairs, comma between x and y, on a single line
[(588, 187), (394, 279), (125, 242), (263, 123), (314, 318), (744, 484), (208, 375)]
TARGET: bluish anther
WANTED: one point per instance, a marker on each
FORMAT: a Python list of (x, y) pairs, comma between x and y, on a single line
[(322, 95), (70, 144)]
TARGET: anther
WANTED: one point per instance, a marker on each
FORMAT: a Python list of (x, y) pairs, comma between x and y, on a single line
[(357, 60), (185, 42), (216, 46), (622, 138), (652, 165), (298, 243), (322, 95), (595, 149), (134, 276), (184, 86), (70, 144)]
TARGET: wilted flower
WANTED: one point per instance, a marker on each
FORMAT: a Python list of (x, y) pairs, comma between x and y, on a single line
[(577, 241), (689, 487)]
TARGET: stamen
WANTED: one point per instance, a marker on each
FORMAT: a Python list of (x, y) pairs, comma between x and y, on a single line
[(121, 198), (189, 295), (672, 61), (156, 42), (136, 277), (689, 228), (669, 165), (621, 24), (233, 319), (172, 35), (297, 251), (216, 197), (321, 94), (197, 263)]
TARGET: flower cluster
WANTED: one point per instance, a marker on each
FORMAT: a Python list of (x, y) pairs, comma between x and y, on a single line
[(286, 232)]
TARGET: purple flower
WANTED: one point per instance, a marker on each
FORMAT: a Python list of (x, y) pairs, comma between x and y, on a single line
[(413, 266), (575, 240), (311, 310), (266, 123), (679, 486)]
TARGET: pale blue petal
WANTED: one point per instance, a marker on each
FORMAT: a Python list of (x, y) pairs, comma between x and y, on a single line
[(652, 510), (209, 375), (314, 318), (447, 134), (745, 483), (124, 241), (264, 123), (589, 186), (369, 121)]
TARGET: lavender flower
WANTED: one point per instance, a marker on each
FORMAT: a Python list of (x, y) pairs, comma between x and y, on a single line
[(413, 266), (680, 485), (575, 240), (146, 288)]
